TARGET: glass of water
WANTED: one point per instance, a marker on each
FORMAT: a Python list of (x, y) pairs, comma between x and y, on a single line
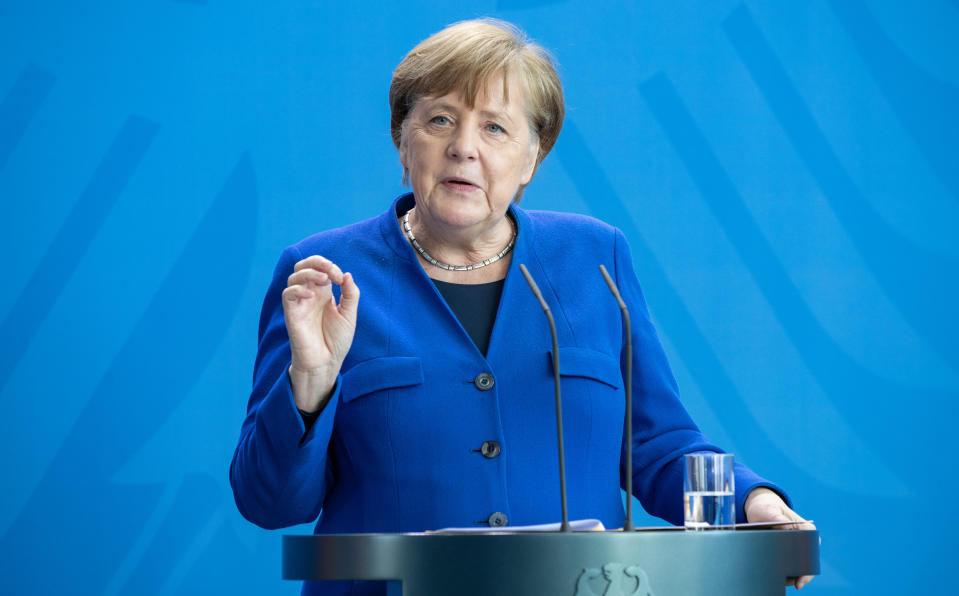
[(709, 494)]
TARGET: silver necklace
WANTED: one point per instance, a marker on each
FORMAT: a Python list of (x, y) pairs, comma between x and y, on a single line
[(470, 267)]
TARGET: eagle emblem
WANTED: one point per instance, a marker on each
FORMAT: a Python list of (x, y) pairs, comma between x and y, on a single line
[(613, 579)]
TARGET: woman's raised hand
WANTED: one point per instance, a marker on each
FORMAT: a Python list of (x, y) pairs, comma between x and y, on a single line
[(320, 330)]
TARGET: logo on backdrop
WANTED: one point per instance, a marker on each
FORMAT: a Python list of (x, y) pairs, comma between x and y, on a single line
[(613, 579)]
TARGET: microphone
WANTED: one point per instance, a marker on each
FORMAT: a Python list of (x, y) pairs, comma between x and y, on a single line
[(628, 525), (564, 527)]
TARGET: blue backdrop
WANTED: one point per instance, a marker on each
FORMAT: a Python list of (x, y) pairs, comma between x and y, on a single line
[(786, 174)]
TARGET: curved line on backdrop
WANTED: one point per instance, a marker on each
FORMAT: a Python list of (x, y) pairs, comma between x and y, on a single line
[(163, 357), (919, 283), (196, 503), (703, 363), (71, 242), (20, 106), (855, 391), (925, 105)]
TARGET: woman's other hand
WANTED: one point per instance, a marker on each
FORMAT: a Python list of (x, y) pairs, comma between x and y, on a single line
[(320, 330), (764, 505)]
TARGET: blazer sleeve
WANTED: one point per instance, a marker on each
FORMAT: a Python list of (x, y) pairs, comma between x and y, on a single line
[(662, 429), (280, 471)]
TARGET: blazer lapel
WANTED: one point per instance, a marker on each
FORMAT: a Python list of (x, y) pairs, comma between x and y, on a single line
[(519, 317)]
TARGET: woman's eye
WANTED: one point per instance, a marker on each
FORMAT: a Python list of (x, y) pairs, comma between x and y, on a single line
[(494, 128), (441, 120)]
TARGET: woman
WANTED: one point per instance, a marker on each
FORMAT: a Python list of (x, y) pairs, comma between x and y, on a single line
[(428, 402)]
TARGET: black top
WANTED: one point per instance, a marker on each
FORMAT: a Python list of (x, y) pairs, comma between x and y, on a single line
[(475, 306)]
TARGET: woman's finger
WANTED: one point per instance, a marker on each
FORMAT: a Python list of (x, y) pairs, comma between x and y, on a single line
[(349, 297), (313, 261), (296, 293), (321, 264), (800, 522), (308, 277)]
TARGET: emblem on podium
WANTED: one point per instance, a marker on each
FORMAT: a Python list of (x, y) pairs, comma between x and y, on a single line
[(613, 579)]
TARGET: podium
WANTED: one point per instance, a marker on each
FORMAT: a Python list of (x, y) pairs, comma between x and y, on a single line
[(647, 563)]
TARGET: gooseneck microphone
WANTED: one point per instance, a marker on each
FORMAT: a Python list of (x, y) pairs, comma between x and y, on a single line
[(628, 525), (564, 527)]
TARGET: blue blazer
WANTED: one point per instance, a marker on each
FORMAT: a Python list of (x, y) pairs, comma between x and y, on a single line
[(399, 447)]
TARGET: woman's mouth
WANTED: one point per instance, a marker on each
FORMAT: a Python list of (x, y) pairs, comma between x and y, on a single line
[(459, 184)]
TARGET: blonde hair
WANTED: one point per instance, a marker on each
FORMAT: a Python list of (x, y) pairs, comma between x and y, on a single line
[(463, 57)]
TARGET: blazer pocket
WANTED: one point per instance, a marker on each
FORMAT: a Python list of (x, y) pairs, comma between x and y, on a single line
[(590, 364), (378, 374)]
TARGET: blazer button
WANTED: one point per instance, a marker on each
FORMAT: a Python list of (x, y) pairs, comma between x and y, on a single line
[(490, 449), (484, 381), (497, 520)]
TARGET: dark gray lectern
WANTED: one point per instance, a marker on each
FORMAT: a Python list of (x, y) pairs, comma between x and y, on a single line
[(649, 563)]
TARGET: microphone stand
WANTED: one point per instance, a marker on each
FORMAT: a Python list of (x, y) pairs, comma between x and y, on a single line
[(628, 526), (564, 527)]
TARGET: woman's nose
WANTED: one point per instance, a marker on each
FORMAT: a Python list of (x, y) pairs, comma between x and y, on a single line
[(463, 144)]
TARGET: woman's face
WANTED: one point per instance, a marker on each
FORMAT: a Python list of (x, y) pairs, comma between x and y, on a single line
[(466, 164)]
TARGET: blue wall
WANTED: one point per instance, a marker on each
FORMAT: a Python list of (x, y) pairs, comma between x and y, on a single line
[(786, 173)]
